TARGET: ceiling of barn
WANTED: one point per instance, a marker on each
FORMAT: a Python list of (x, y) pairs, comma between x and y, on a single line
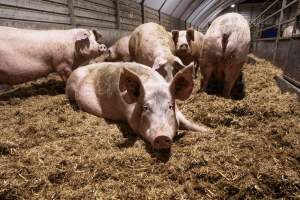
[(197, 12)]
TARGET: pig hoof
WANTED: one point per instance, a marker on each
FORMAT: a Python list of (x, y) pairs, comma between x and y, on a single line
[(162, 142)]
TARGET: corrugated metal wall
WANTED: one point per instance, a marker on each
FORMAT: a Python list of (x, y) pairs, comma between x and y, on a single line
[(51, 14)]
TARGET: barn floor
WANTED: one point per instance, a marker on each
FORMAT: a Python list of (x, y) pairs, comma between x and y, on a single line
[(51, 150)]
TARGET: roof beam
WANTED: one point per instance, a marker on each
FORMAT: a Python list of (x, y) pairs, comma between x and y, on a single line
[(177, 5), (187, 8), (204, 8), (215, 11), (159, 10), (162, 5)]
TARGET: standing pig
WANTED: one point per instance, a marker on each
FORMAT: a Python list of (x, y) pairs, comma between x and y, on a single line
[(150, 44), (225, 50), (119, 51), (136, 94), (26, 55), (188, 46)]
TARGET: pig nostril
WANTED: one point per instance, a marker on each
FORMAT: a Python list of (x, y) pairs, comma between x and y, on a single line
[(162, 142), (183, 47)]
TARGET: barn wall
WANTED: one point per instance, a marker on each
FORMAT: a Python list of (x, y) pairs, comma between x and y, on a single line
[(283, 51), (249, 10), (121, 16)]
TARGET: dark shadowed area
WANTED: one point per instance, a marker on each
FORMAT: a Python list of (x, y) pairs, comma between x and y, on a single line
[(51, 150)]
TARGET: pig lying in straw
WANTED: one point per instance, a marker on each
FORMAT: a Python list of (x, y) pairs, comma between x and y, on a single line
[(136, 94)]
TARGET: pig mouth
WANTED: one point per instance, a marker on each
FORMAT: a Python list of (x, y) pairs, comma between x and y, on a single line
[(184, 51)]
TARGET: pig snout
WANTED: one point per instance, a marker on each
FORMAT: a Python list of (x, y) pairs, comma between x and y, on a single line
[(102, 48), (162, 142), (183, 47)]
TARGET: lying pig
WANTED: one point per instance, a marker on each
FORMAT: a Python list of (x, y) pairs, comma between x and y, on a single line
[(150, 44), (188, 46), (26, 55), (136, 94), (225, 50), (288, 31)]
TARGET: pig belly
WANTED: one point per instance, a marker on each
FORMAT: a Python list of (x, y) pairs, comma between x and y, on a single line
[(21, 70)]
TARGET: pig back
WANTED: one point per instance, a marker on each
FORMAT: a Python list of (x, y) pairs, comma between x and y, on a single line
[(228, 37), (149, 41)]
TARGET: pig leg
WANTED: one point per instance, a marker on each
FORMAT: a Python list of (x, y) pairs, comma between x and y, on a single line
[(87, 99), (206, 72), (185, 124), (196, 67), (231, 75), (64, 71)]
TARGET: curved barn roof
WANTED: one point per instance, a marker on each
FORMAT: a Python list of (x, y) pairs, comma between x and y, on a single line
[(197, 12)]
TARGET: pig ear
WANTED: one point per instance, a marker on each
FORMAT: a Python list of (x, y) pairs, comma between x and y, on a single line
[(159, 66), (130, 86), (190, 35), (177, 63), (175, 35), (97, 34), (182, 84), (82, 35)]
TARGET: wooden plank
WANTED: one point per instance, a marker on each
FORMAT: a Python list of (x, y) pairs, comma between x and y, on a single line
[(130, 4), (151, 16), (130, 22), (37, 5), (94, 23), (65, 2), (127, 27), (152, 11), (107, 3), (130, 10), (94, 7), (30, 15), (130, 16), (117, 2), (94, 15), (32, 25)]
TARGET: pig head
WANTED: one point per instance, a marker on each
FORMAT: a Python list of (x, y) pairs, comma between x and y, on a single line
[(154, 113), (88, 45), (167, 67), (183, 49)]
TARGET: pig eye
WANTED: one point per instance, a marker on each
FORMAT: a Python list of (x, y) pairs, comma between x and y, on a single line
[(146, 108), (171, 107)]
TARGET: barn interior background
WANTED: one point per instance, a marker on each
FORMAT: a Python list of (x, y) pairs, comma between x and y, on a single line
[(50, 150), (116, 18)]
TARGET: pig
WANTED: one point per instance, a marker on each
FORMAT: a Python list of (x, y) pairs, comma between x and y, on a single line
[(188, 44), (225, 50), (119, 51), (288, 31), (26, 55), (150, 44), (136, 94)]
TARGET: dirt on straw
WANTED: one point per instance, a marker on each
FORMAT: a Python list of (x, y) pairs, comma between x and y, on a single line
[(51, 150)]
